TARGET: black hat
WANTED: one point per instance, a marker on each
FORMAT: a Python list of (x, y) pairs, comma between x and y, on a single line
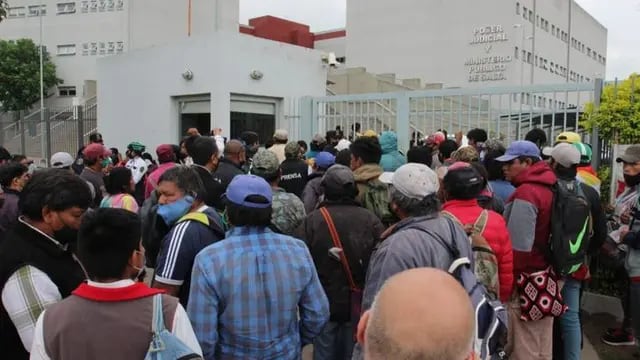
[(463, 182), (95, 138)]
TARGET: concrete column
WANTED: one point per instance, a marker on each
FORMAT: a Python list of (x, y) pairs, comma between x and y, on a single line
[(221, 111)]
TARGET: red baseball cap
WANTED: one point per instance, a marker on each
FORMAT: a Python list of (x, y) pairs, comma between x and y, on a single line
[(165, 152), (94, 151)]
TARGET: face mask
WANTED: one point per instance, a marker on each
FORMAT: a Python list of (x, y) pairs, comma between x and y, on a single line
[(105, 162), (66, 235), (632, 180), (170, 213)]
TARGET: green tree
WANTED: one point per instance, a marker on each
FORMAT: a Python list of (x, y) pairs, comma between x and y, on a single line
[(20, 74), (618, 117)]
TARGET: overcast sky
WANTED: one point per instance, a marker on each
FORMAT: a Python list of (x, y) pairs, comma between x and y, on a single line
[(621, 17)]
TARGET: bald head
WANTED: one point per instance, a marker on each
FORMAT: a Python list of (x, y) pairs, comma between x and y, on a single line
[(235, 152), (419, 314)]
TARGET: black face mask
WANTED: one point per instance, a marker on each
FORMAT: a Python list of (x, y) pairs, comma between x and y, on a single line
[(66, 235), (630, 180)]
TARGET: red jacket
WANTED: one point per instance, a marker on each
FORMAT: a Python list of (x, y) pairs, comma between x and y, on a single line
[(496, 234), (528, 215)]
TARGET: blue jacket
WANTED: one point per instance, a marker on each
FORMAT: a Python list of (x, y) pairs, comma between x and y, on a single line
[(391, 159)]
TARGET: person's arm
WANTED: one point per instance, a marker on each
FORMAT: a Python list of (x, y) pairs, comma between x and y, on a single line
[(505, 266), (174, 258), (203, 307), (38, 350), (309, 198), (183, 330), (25, 296), (521, 217), (313, 305), (598, 221)]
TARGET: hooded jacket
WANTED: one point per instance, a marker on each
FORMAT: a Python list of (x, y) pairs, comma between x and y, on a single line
[(528, 215), (363, 175), (312, 191), (391, 159), (357, 241), (496, 234)]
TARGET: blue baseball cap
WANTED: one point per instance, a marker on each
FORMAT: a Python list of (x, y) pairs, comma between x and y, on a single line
[(325, 159), (243, 186), (520, 148)]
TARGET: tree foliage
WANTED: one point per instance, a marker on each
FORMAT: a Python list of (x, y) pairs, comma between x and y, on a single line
[(20, 74), (618, 116)]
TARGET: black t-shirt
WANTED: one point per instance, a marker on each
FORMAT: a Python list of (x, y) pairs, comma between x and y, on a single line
[(294, 176)]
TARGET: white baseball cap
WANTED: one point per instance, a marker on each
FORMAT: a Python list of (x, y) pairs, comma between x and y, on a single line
[(413, 180), (61, 160)]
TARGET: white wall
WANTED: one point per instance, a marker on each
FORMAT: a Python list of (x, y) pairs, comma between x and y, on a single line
[(430, 39), (136, 90)]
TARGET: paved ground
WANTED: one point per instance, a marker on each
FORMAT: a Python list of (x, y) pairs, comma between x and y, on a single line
[(594, 327)]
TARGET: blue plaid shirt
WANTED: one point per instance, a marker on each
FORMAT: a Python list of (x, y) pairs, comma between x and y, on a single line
[(256, 295)]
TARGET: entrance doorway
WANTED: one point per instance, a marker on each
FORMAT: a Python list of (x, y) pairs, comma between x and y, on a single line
[(195, 112), (255, 114)]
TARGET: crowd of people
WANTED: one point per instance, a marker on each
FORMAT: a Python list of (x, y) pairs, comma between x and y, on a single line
[(241, 251)]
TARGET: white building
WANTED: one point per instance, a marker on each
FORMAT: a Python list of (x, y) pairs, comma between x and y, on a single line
[(76, 33), (464, 43)]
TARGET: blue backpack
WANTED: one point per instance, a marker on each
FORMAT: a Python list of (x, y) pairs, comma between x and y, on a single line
[(164, 345)]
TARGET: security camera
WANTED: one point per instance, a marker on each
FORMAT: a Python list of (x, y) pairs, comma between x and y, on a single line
[(187, 75), (331, 60)]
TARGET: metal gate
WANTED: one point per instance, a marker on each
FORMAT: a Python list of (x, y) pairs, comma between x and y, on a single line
[(507, 113)]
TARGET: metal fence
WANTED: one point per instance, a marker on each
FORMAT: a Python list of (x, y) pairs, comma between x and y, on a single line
[(63, 129), (507, 113)]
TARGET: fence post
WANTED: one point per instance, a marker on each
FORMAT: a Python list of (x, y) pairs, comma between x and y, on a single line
[(402, 122), (23, 127), (47, 135), (306, 120), (595, 132), (78, 113)]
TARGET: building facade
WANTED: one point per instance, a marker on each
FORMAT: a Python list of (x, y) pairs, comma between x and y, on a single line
[(477, 43)]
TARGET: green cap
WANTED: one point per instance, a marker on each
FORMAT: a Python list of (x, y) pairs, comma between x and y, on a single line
[(136, 146), (264, 163), (585, 152)]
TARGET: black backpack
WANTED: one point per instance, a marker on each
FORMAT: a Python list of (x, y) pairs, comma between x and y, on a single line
[(570, 227)]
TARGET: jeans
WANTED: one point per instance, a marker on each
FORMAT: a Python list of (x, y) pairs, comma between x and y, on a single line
[(335, 342), (570, 321)]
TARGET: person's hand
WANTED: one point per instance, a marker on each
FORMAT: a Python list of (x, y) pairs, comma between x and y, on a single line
[(217, 131)]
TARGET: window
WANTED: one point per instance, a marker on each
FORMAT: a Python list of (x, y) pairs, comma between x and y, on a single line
[(36, 10), (102, 5), (536, 64), (102, 48), (604, 60), (524, 55), (93, 6), (516, 54), (110, 5), (66, 91), (84, 7), (553, 30), (120, 47), (93, 48), (524, 12), (545, 66), (16, 12), (529, 57), (68, 49), (531, 16), (517, 8), (537, 20), (85, 49), (66, 8), (583, 48), (589, 52), (551, 67), (111, 48), (119, 4)]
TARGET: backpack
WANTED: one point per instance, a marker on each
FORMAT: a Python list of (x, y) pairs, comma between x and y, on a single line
[(570, 227), (153, 228), (376, 199), (484, 258), (490, 315), (164, 345)]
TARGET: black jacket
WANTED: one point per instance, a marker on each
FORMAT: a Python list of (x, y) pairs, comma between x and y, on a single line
[(213, 189), (359, 231), (225, 172), (25, 246), (294, 176)]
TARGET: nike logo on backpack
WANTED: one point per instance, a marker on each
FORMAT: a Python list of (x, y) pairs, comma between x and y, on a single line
[(575, 246)]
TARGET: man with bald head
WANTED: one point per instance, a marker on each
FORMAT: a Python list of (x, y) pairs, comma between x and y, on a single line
[(421, 314), (230, 166)]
